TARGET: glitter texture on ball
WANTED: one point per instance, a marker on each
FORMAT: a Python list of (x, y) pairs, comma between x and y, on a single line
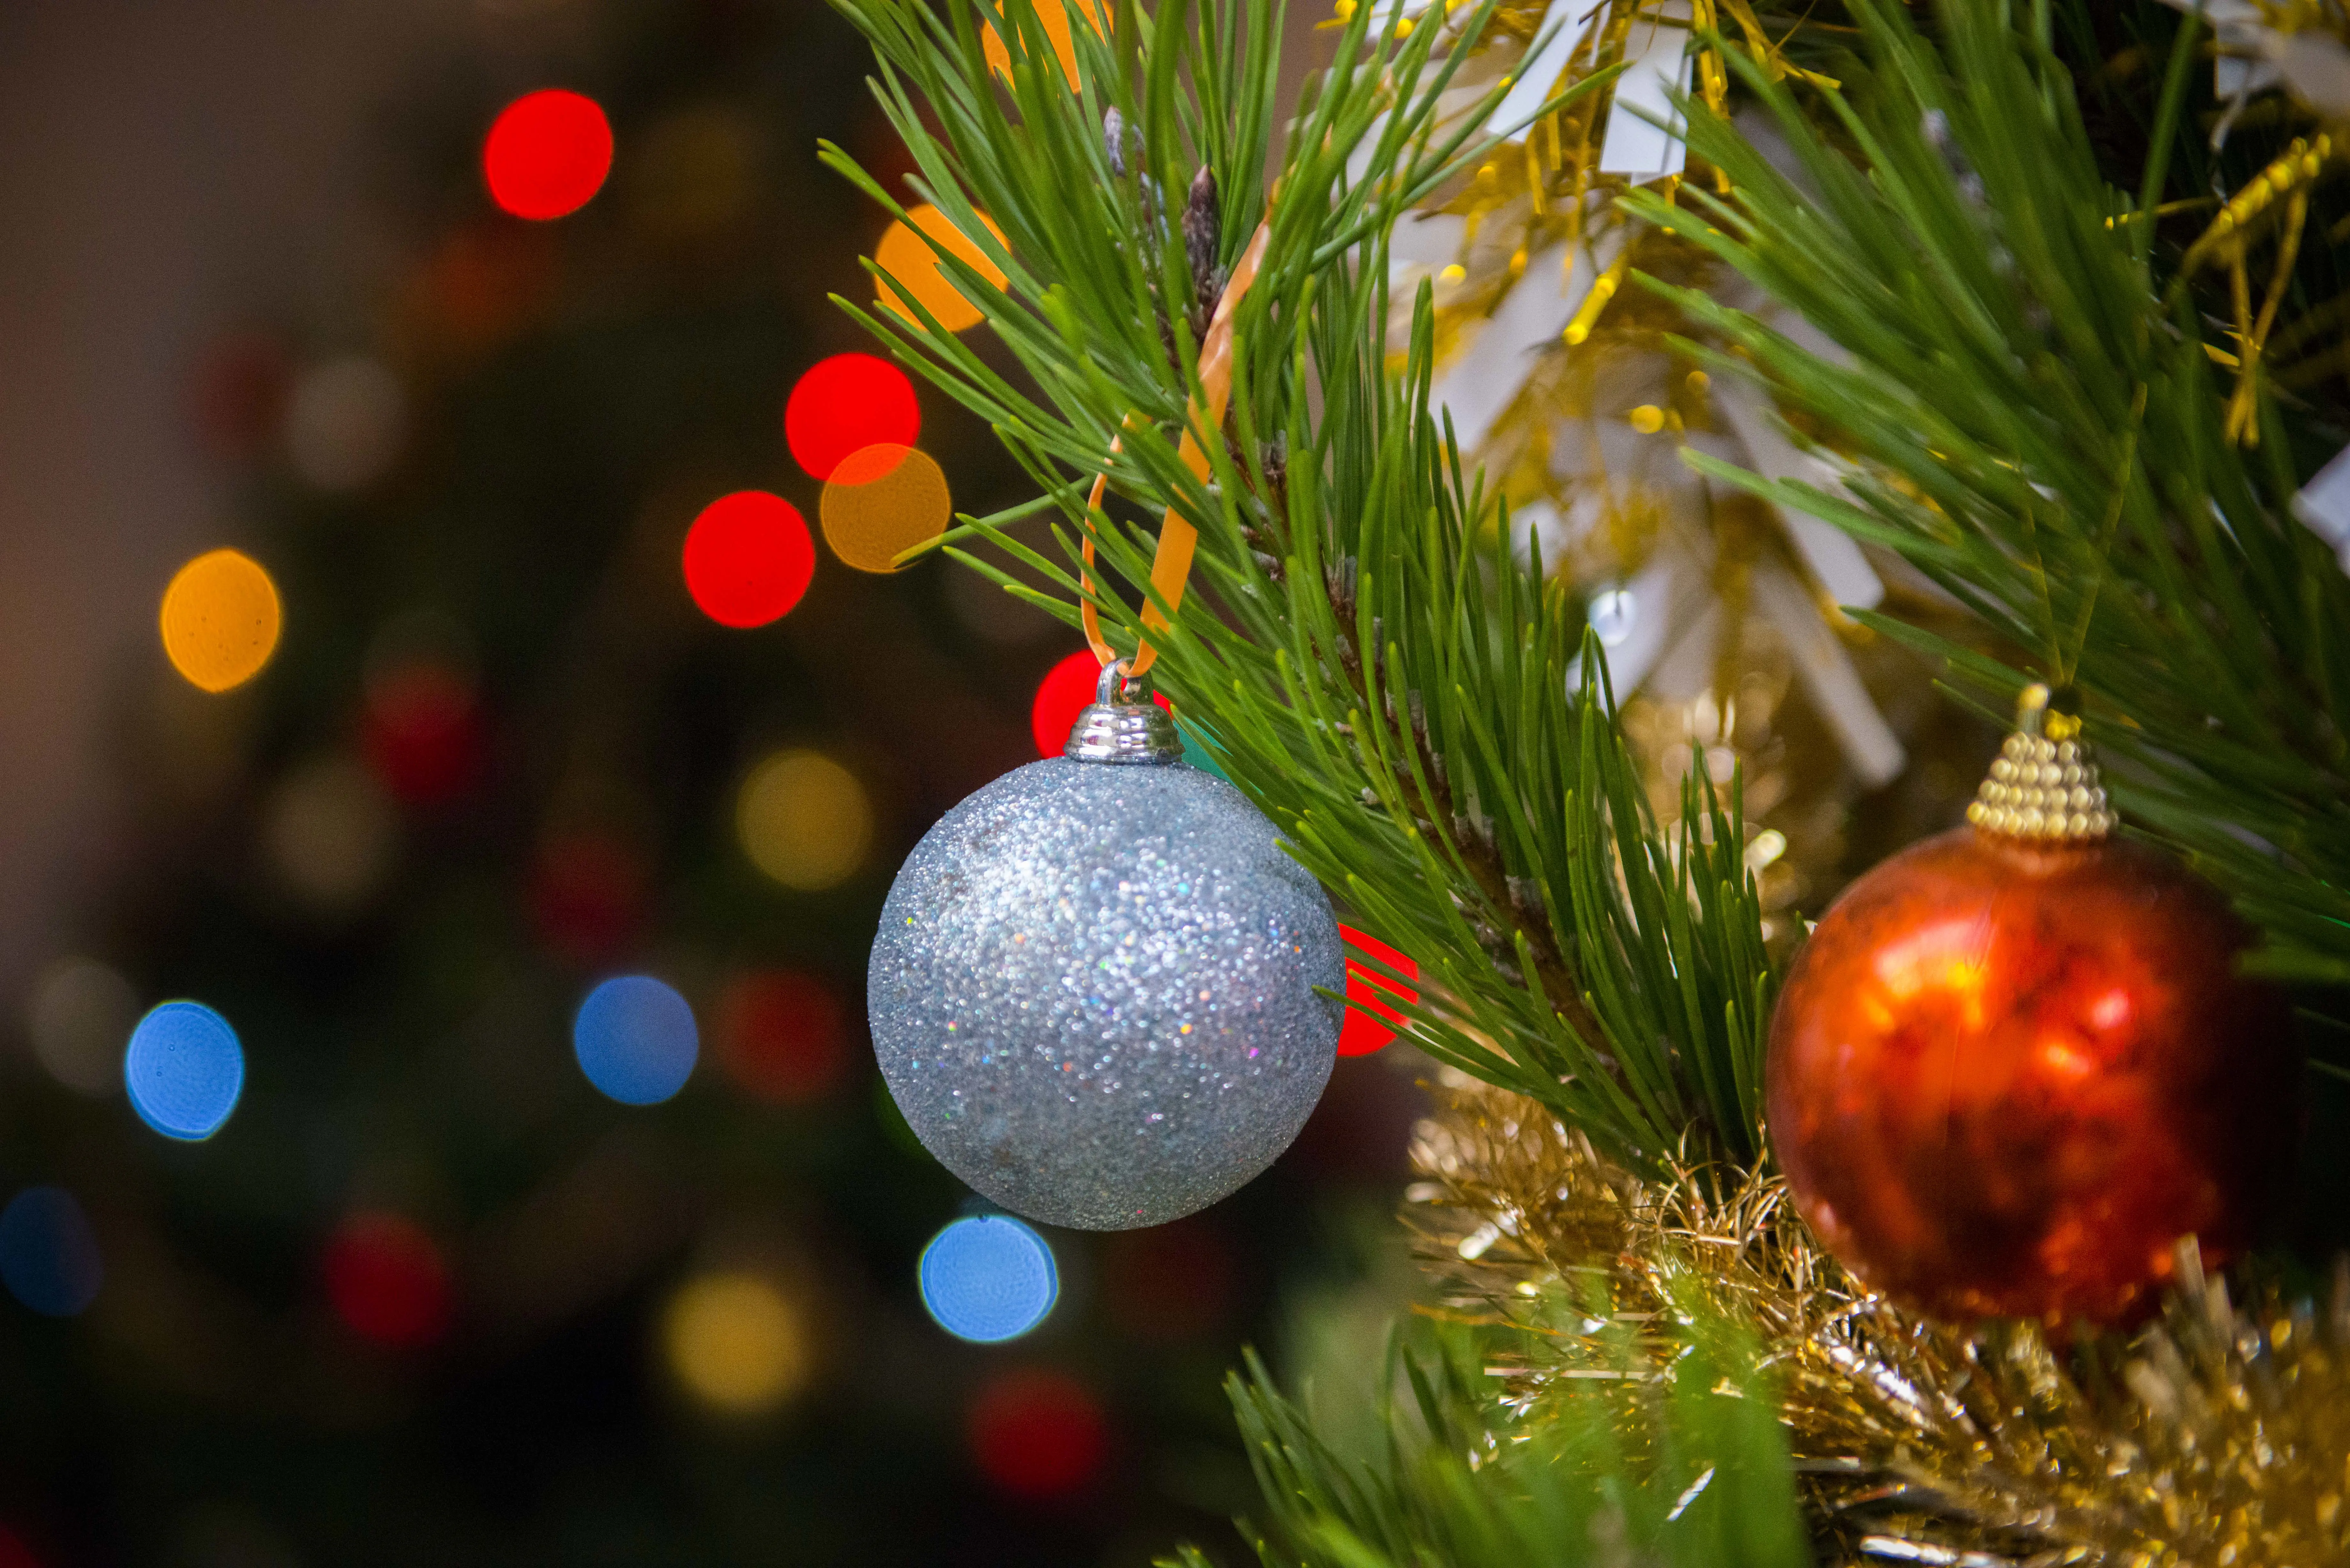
[(1093, 991)]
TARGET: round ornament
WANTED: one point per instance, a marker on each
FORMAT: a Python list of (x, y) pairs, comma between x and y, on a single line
[(2014, 1064), (1093, 992)]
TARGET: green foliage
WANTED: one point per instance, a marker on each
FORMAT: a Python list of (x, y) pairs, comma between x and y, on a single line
[(1689, 1467), (1430, 729), (2040, 428)]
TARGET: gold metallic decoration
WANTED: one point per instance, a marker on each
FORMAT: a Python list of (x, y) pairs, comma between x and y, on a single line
[(2214, 1437), (2045, 785)]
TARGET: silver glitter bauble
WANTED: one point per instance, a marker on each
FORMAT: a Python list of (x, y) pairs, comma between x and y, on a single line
[(1093, 991)]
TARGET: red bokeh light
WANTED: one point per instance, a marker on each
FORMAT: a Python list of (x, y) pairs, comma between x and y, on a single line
[(588, 896), (546, 153), (1067, 690), (1038, 1435), (1170, 1283), (14, 1552), (239, 396), (421, 733), (748, 558), (783, 1036), (385, 1279), (1363, 1033), (845, 404)]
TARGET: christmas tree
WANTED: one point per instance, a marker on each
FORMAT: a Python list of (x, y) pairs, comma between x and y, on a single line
[(1958, 1228)]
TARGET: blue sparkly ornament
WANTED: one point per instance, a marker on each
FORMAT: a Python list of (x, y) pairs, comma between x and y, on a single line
[(1093, 992)]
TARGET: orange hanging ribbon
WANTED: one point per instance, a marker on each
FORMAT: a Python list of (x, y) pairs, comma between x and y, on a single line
[(1178, 540)]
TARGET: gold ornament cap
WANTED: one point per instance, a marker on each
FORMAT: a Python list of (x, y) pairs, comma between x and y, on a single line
[(2043, 788)]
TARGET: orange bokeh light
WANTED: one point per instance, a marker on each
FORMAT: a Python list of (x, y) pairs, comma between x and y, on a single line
[(220, 620), (883, 500), (1054, 16), (909, 253)]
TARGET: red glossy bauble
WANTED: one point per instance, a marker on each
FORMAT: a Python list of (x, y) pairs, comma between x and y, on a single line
[(2006, 1078)]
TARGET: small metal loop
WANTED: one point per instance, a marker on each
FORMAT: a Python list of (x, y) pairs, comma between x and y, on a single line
[(1115, 687)]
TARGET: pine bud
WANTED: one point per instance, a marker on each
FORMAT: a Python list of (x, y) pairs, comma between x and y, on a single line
[(1203, 228), (1114, 140)]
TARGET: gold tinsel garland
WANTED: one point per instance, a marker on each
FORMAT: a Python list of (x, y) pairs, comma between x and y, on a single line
[(2218, 1436)]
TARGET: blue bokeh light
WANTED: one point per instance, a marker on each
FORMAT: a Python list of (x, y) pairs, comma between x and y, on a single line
[(184, 1070), (48, 1256), (636, 1040), (989, 1279)]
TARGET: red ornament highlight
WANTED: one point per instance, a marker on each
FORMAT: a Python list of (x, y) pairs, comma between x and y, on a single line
[(547, 154), (1037, 1434), (748, 558), (386, 1280), (1364, 1033), (2006, 1077), (845, 404), (783, 1036)]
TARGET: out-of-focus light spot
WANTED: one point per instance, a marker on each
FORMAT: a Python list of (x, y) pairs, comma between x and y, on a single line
[(184, 1070), (386, 1281), (79, 1019), (346, 424), (421, 732), (1067, 690), (845, 404), (880, 501), (14, 1552), (1054, 16), (694, 177), (48, 1255), (909, 254), (636, 1040), (748, 558), (783, 1036), (737, 1342), (239, 393), (482, 284), (588, 895), (328, 832), (1037, 1434), (220, 620), (1168, 1282), (547, 154), (1611, 616), (1364, 1033), (805, 820), (988, 1279)]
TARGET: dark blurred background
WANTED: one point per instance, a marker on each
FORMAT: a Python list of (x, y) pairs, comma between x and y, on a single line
[(428, 1294)]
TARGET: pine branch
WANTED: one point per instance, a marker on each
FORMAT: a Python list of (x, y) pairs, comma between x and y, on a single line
[(1690, 1469), (2032, 412), (1430, 728)]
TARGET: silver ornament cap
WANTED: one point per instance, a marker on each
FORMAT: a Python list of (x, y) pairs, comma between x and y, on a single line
[(1093, 991)]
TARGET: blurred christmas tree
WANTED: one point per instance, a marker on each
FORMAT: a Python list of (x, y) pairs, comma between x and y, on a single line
[(545, 733)]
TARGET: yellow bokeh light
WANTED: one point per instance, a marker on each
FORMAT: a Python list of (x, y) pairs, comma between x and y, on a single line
[(737, 1342), (220, 620), (881, 502), (1054, 16), (805, 820), (908, 253)]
